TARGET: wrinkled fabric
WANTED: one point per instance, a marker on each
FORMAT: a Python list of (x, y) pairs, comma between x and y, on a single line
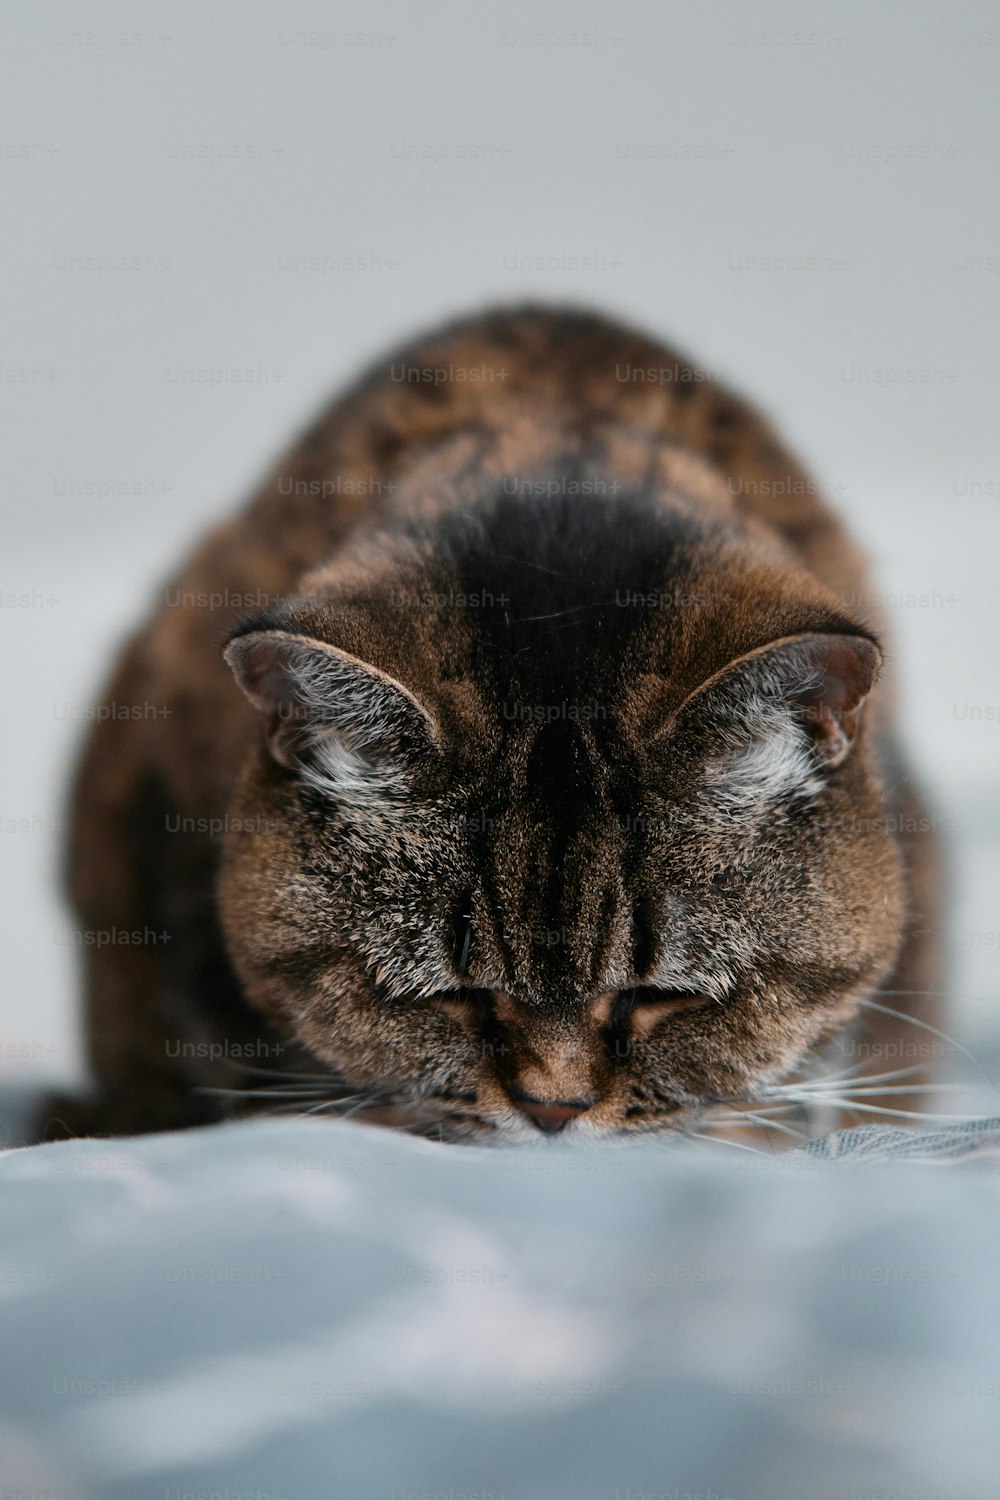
[(961, 1141), (297, 1309)]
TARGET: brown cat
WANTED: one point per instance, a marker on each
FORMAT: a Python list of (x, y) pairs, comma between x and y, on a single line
[(561, 787)]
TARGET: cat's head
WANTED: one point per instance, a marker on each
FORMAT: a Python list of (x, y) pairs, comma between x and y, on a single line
[(563, 814)]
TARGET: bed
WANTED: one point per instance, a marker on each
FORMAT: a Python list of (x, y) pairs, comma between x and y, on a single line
[(307, 1310)]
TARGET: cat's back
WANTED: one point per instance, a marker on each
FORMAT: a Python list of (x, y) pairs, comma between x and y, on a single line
[(514, 391)]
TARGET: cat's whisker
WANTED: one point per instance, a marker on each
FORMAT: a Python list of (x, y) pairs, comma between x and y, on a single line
[(852, 1106), (748, 1120), (286, 1112), (815, 1092), (259, 1093), (855, 1075), (742, 1103), (774, 1108), (323, 1107), (879, 1089), (858, 1071), (901, 1015), (718, 1140), (290, 1074), (933, 994), (345, 1106)]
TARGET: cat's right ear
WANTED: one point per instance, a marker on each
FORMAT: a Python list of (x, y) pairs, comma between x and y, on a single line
[(348, 725)]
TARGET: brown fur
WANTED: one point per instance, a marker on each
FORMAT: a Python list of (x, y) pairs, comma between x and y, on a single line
[(575, 838)]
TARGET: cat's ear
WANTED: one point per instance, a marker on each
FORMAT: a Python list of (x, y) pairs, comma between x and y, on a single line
[(787, 712), (351, 728)]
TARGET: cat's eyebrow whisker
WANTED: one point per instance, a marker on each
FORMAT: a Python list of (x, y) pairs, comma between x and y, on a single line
[(572, 609), (526, 562)]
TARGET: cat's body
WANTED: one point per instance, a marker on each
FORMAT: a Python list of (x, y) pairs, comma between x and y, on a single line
[(548, 796)]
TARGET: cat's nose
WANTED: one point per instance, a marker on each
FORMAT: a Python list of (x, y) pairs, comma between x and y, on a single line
[(551, 1115)]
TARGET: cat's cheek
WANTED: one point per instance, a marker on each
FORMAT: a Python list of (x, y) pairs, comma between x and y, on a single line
[(405, 1049), (718, 1053)]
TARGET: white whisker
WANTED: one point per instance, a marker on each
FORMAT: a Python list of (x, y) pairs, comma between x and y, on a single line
[(901, 1015), (862, 1086), (748, 1120), (852, 1075), (852, 1106), (260, 1093), (911, 1088), (715, 1140)]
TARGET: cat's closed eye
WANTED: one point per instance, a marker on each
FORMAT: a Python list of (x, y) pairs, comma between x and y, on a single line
[(645, 997), (646, 1004), (640, 1009)]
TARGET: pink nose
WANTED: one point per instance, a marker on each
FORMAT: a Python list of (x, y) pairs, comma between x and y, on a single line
[(551, 1115)]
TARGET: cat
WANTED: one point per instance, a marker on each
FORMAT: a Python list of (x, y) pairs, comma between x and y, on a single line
[(521, 760)]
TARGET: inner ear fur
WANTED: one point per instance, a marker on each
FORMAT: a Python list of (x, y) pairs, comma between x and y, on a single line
[(823, 679), (305, 688)]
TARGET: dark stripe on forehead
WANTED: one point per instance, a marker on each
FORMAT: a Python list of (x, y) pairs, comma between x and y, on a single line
[(562, 582), (559, 792), (559, 777)]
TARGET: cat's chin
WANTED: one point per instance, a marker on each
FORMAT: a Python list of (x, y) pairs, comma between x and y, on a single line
[(510, 1128), (737, 1127), (458, 1127)]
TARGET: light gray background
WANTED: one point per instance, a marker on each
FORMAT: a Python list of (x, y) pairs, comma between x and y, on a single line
[(803, 196)]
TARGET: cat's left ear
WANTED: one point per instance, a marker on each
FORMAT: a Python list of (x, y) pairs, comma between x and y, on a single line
[(824, 680), (780, 716), (346, 723)]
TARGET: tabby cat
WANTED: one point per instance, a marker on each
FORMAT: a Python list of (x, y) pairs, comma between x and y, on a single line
[(520, 760)]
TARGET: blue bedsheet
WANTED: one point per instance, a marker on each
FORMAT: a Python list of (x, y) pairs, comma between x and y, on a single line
[(309, 1310)]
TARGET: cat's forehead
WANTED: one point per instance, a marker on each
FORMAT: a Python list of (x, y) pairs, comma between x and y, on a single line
[(550, 865), (535, 607)]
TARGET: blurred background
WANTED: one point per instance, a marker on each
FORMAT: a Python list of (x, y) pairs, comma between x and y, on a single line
[(214, 214)]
